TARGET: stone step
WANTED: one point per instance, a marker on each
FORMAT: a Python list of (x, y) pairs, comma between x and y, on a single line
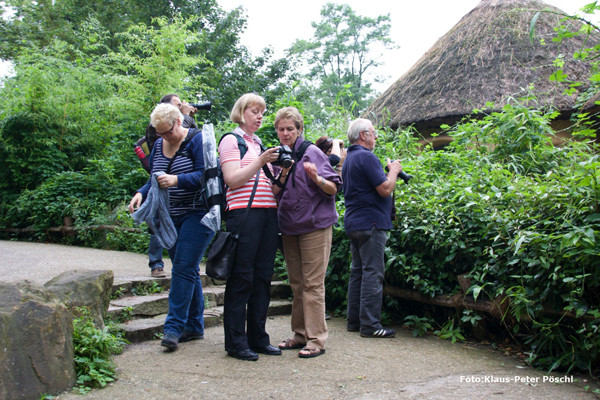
[(125, 285), (281, 290), (142, 329), (158, 303), (138, 306)]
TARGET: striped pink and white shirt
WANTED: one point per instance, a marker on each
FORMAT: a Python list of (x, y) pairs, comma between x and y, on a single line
[(238, 198)]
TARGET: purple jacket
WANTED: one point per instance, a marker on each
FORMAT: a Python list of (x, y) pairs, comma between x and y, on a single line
[(303, 206)]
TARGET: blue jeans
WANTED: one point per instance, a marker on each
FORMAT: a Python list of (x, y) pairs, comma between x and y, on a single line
[(155, 251), (186, 301), (365, 286)]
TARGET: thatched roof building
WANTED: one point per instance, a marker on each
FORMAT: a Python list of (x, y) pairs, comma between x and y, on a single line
[(486, 57)]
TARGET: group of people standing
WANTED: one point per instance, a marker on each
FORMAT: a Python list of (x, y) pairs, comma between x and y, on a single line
[(297, 201)]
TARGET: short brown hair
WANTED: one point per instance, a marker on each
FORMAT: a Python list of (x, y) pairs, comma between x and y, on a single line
[(290, 113)]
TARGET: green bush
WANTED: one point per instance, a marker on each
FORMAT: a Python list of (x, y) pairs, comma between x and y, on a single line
[(94, 349), (518, 216)]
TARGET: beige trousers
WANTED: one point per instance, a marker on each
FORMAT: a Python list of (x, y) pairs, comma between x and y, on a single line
[(307, 256)]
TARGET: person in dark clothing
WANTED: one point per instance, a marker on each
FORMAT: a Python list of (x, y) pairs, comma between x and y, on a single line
[(367, 194)]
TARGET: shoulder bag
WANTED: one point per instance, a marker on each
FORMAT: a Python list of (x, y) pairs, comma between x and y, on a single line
[(223, 249)]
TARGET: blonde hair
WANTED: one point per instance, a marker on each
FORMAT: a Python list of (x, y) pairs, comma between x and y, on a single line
[(247, 100), (290, 113), (165, 113)]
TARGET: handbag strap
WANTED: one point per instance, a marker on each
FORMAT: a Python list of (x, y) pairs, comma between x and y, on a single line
[(241, 227)]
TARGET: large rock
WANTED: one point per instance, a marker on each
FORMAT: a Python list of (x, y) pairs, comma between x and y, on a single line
[(91, 289), (36, 342)]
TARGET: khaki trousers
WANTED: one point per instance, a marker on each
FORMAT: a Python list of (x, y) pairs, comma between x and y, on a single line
[(307, 256)]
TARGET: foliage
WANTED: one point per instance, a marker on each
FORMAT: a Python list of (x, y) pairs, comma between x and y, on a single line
[(60, 157), (37, 24), (94, 348), (340, 56), (144, 290), (82, 91), (569, 27), (449, 332), (519, 216), (421, 325), (126, 314), (118, 293)]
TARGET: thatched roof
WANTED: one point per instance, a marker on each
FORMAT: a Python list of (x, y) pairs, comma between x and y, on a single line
[(486, 57)]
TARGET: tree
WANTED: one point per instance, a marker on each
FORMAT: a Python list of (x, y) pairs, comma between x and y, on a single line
[(68, 119), (230, 72), (340, 55), (35, 24)]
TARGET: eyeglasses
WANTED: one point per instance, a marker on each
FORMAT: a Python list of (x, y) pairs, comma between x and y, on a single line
[(372, 133), (167, 132)]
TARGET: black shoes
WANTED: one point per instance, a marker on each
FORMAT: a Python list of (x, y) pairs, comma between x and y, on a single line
[(246, 355), (169, 341), (251, 354), (269, 350), (380, 333)]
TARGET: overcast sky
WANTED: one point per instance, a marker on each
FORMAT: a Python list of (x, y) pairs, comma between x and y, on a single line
[(416, 25)]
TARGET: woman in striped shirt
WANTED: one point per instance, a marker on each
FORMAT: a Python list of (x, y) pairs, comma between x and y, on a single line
[(248, 290), (183, 178)]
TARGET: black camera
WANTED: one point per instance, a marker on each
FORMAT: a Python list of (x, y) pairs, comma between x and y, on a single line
[(202, 106), (285, 159), (402, 175)]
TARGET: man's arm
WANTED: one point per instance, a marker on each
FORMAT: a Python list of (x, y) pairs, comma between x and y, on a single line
[(189, 122), (388, 186)]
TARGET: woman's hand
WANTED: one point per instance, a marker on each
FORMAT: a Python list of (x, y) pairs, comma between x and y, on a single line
[(166, 181), (311, 171), (326, 186), (269, 155), (135, 202)]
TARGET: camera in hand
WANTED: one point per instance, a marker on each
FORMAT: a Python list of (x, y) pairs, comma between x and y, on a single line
[(402, 175), (285, 159), (202, 106)]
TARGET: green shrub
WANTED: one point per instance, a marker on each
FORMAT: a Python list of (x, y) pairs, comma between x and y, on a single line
[(94, 349), (517, 215)]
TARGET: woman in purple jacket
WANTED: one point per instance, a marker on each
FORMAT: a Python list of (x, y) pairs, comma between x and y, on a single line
[(306, 193)]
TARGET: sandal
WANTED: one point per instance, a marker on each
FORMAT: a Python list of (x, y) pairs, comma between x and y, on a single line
[(290, 344), (310, 352)]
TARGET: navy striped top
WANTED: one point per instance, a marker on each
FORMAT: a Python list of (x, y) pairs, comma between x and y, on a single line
[(189, 168)]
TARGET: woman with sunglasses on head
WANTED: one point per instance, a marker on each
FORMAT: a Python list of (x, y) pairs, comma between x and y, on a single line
[(178, 153), (334, 149)]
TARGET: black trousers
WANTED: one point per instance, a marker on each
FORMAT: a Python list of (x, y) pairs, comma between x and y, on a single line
[(248, 290)]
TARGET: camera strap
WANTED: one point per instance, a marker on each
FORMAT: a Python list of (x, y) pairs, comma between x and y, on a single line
[(297, 156)]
